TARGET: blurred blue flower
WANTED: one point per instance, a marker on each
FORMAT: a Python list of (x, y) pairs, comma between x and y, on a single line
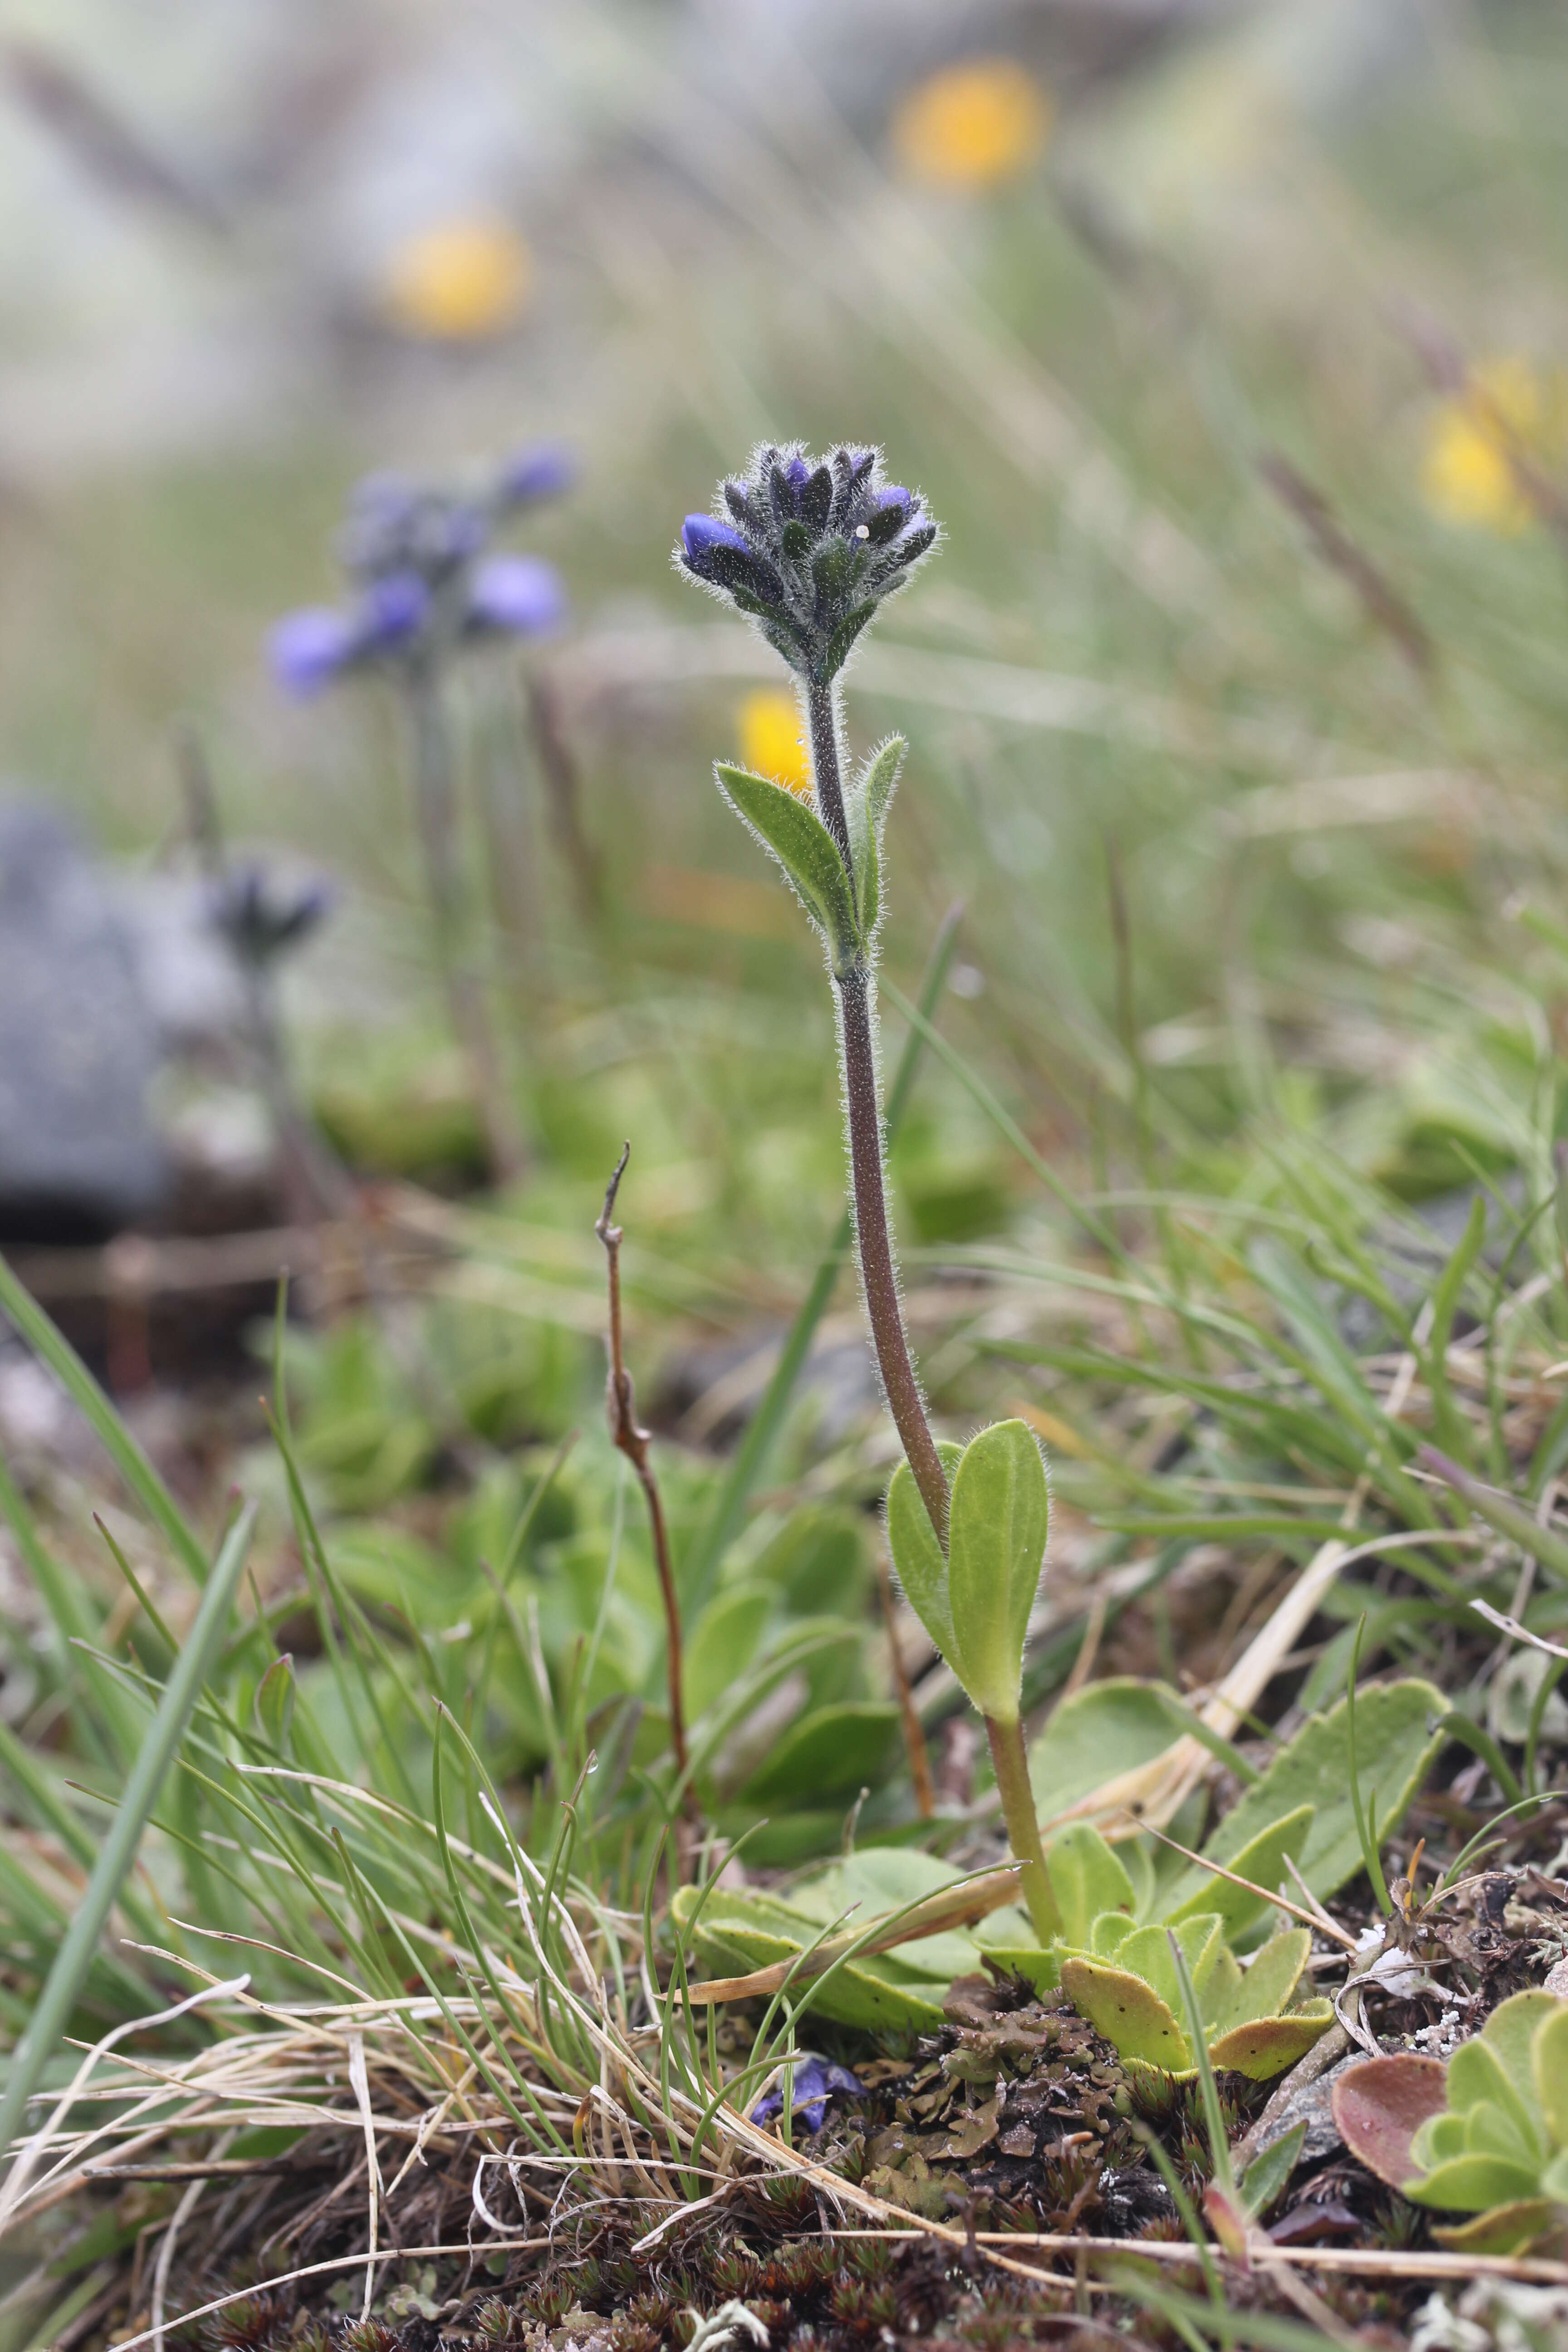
[(391, 609), (542, 472), (816, 2081), (307, 649), (521, 594), (416, 554)]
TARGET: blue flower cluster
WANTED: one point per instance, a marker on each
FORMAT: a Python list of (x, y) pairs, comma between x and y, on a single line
[(423, 580), (808, 548)]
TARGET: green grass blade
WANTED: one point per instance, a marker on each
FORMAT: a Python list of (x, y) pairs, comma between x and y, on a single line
[(181, 1692), (110, 1727), (1500, 1511), (112, 1432)]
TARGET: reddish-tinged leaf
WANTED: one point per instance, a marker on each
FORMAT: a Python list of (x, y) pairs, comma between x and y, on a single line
[(1380, 2107)]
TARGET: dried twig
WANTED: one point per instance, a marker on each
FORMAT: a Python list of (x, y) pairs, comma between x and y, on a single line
[(633, 1442), (561, 781), (1340, 551)]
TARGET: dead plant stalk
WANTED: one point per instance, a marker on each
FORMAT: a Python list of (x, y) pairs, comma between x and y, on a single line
[(635, 1443)]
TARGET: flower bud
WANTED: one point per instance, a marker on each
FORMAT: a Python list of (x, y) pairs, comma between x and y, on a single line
[(811, 548), (699, 534)]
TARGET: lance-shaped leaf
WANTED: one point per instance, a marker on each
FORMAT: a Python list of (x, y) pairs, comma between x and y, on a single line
[(866, 809), (919, 1560), (997, 1527), (792, 832)]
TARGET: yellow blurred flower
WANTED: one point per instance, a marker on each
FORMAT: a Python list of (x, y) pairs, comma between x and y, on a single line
[(459, 281), (1508, 409), (771, 742), (973, 124)]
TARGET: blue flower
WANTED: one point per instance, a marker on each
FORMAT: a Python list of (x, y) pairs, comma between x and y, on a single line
[(816, 2081), (700, 534), (812, 546), (542, 472), (307, 649), (521, 594), (415, 555), (310, 648), (391, 612)]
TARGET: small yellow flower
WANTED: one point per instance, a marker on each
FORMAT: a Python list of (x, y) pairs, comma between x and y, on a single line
[(1508, 410), (973, 124), (459, 281), (771, 741)]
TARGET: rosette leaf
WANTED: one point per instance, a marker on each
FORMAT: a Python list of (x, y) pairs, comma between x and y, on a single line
[(1485, 2135)]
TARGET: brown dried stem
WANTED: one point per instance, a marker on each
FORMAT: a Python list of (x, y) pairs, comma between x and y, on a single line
[(914, 1729), (634, 1441)]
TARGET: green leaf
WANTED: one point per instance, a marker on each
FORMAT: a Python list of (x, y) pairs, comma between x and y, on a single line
[(1108, 1932), (1493, 2130), (736, 1933), (1269, 2045), (1262, 1860), (1510, 2229), (791, 831), (833, 1751), (1268, 2175), (1510, 2035), (1105, 1728), (878, 1879), (996, 1547), (866, 808), (1470, 2184), (1551, 2067), (918, 1559), (52, 2013), (1090, 1883), (1270, 1983), (1393, 1750), (1477, 2077), (1129, 2012), (274, 1702), (723, 1644)]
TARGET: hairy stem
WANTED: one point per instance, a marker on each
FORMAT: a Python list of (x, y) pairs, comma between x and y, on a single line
[(879, 1273), (1011, 1764), (822, 719), (436, 806)]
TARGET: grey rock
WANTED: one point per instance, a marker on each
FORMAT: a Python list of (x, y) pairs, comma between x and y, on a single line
[(186, 974), (78, 1047)]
